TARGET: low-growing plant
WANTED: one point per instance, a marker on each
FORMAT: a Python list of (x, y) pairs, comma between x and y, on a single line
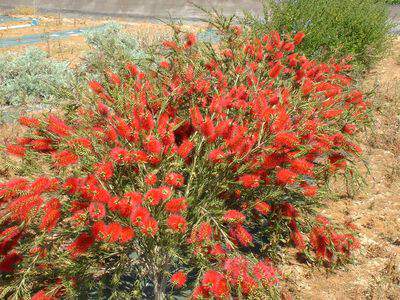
[(171, 179), (334, 28), (31, 77), (111, 48)]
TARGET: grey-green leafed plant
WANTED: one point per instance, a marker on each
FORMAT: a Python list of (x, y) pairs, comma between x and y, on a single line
[(31, 77), (334, 28), (111, 48)]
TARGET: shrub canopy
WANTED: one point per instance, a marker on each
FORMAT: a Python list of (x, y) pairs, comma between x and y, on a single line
[(170, 180), (334, 28)]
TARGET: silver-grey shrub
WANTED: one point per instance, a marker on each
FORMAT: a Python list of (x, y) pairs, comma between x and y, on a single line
[(31, 77)]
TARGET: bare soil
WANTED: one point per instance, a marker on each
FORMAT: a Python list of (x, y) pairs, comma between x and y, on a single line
[(375, 272)]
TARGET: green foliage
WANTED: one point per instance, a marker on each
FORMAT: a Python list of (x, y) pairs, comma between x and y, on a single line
[(111, 48), (31, 77), (334, 28)]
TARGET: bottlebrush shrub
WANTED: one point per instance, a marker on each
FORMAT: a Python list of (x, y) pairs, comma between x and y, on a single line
[(170, 179), (328, 244)]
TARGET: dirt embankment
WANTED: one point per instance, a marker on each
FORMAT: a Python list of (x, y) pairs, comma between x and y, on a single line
[(375, 273)]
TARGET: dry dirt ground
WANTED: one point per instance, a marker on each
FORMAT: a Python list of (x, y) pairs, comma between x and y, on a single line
[(375, 272)]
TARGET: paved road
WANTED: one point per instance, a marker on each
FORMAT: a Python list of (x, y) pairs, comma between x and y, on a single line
[(138, 9)]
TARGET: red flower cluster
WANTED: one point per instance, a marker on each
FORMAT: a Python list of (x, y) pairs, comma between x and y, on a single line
[(325, 241), (191, 155)]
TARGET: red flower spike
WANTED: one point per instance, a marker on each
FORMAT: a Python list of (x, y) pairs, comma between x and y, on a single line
[(249, 181), (177, 223), (178, 279), (174, 179), (234, 216), (298, 38), (176, 205), (82, 243)]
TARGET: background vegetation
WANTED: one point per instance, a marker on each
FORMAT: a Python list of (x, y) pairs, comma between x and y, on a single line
[(334, 28)]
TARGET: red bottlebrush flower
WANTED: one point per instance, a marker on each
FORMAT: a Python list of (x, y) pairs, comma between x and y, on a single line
[(114, 230), (242, 235), (190, 40), (170, 45), (263, 208), (265, 273), (151, 179), (132, 69), (166, 192), (139, 156), (16, 150), (135, 198), (9, 262), (333, 113), (307, 87), (349, 128), (319, 241), (29, 122), (302, 166), (120, 155), (100, 231), (64, 158), (288, 210), (174, 179), (176, 205), (102, 108), (276, 70), (196, 117), (298, 37), (165, 65), (249, 181), (50, 220), (97, 210), (178, 279), (24, 207), (203, 233), (114, 78), (58, 127), (286, 139), (216, 284), (153, 196), (82, 243), (9, 239), (237, 270), (41, 295), (149, 227), (177, 223), (234, 216), (208, 128), (185, 148), (285, 176), (42, 145), (126, 234), (309, 190), (51, 215), (216, 155), (228, 53), (139, 215), (298, 239), (104, 170), (153, 145), (96, 87), (217, 250), (288, 47)]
